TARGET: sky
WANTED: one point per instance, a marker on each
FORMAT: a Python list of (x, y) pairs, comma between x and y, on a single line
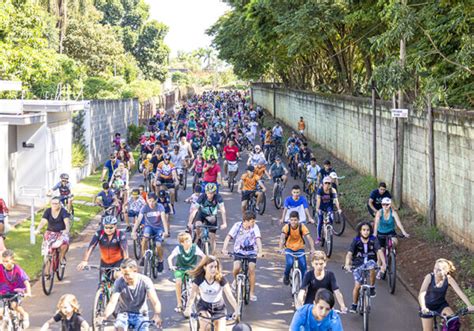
[(187, 21)]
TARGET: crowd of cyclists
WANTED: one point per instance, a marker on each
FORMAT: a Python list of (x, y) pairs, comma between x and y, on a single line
[(207, 131)]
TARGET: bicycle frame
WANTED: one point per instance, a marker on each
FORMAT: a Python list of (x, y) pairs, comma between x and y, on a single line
[(10, 320)]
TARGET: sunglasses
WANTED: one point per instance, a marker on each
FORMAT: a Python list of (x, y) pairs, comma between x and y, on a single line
[(385, 204), (109, 227), (327, 183)]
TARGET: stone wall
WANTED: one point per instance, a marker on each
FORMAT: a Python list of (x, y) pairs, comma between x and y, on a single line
[(343, 125)]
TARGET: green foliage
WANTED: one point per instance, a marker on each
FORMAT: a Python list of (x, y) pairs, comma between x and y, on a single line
[(79, 155), (134, 134), (340, 46), (144, 89)]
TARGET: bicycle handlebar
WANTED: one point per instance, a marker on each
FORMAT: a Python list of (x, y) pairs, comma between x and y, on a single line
[(97, 267), (459, 313), (360, 267), (297, 254), (211, 318), (251, 256), (209, 227)]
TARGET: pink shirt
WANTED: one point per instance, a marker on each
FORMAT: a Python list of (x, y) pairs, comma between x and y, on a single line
[(211, 174), (11, 280)]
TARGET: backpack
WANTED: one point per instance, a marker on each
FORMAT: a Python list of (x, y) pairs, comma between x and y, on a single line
[(300, 228)]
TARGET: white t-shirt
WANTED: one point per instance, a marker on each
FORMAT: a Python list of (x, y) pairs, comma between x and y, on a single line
[(210, 292), (245, 241), (312, 172)]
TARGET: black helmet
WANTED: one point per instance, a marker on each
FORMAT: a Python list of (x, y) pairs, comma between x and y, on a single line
[(64, 176), (251, 168), (162, 194)]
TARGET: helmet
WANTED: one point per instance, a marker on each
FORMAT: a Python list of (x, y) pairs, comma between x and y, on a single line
[(64, 176), (176, 147), (211, 188), (167, 157), (257, 147), (251, 168), (162, 194), (147, 134), (148, 156), (209, 143), (386, 200), (109, 220)]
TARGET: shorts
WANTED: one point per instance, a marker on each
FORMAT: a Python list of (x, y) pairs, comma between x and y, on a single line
[(247, 195), (132, 320), (179, 274), (216, 310), (167, 182), (437, 308), (207, 220), (241, 257), (357, 273), (274, 178), (153, 232), (133, 213), (2, 218), (301, 132), (382, 237)]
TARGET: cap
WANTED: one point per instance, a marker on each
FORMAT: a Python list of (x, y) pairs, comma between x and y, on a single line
[(387, 201), (251, 168), (257, 147), (333, 175), (152, 196), (327, 180)]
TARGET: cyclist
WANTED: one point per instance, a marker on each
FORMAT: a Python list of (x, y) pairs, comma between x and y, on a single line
[(293, 237), (278, 170), (186, 254), (255, 157), (292, 151), (177, 158), (248, 187), (68, 314), (375, 199), (207, 206), (209, 151), (109, 167), (231, 155), (386, 221), (112, 246), (326, 199), (212, 173), (129, 299), (325, 171), (166, 176), (106, 198), (334, 180), (293, 138), (296, 202), (148, 166), (197, 167), (432, 296), (312, 171), (116, 141), (318, 315), (210, 284), (185, 150), (65, 191), (277, 133), (3, 214), (247, 241), (13, 280), (304, 156), (120, 180), (58, 222), (156, 227), (364, 252), (319, 278), (165, 200)]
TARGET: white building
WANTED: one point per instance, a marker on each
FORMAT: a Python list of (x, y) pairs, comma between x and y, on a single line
[(35, 147)]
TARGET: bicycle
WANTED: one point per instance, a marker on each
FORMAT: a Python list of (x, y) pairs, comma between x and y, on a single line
[(11, 321), (252, 204), (302, 174), (148, 180), (195, 316), (182, 177), (293, 167), (151, 259), (232, 170), (141, 327), (391, 258), (327, 234), (186, 287), (204, 241), (278, 193), (243, 282), (103, 294), (363, 304), (443, 325), (137, 248), (311, 191), (51, 264), (296, 277)]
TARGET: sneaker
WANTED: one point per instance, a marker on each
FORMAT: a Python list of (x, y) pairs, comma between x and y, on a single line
[(159, 267), (372, 292), (142, 262), (286, 280), (272, 198), (253, 298), (353, 308)]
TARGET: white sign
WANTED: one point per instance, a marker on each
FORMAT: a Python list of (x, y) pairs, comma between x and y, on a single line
[(399, 113), (9, 85)]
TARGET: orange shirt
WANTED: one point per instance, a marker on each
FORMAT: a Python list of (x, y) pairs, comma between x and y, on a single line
[(295, 241), (260, 170), (268, 138), (301, 125), (249, 183)]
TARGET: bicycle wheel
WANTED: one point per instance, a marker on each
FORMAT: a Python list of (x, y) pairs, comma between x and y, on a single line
[(240, 296), (339, 224), (176, 194), (47, 276), (277, 199), (98, 308), (147, 270), (184, 293), (185, 178), (328, 240), (61, 268), (392, 272), (366, 310), (247, 291), (296, 284), (154, 266), (262, 205), (193, 321), (207, 247), (137, 248)]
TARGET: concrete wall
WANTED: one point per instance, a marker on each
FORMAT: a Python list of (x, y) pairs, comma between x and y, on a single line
[(342, 124)]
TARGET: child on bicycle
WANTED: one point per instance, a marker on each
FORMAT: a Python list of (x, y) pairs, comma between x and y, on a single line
[(363, 252), (13, 280), (293, 237), (192, 199), (247, 241), (186, 254), (68, 314), (432, 295)]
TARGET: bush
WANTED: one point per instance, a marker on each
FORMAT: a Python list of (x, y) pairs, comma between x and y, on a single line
[(134, 134), (79, 155)]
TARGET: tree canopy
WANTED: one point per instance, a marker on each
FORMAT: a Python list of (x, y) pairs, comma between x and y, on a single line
[(341, 46)]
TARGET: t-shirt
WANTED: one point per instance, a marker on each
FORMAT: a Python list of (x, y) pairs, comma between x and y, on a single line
[(210, 175), (111, 167), (278, 131), (313, 284), (73, 324), (136, 205), (298, 205), (177, 159), (312, 172), (230, 153), (209, 207), (327, 199), (362, 253), (249, 182), (295, 241), (210, 292), (377, 198), (111, 251), (165, 170), (64, 190), (325, 173), (133, 299), (107, 197), (152, 217), (301, 125), (305, 155), (11, 280), (56, 224), (257, 158), (245, 240), (303, 320), (277, 170)]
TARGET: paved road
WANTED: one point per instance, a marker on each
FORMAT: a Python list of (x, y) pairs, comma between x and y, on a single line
[(273, 311)]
